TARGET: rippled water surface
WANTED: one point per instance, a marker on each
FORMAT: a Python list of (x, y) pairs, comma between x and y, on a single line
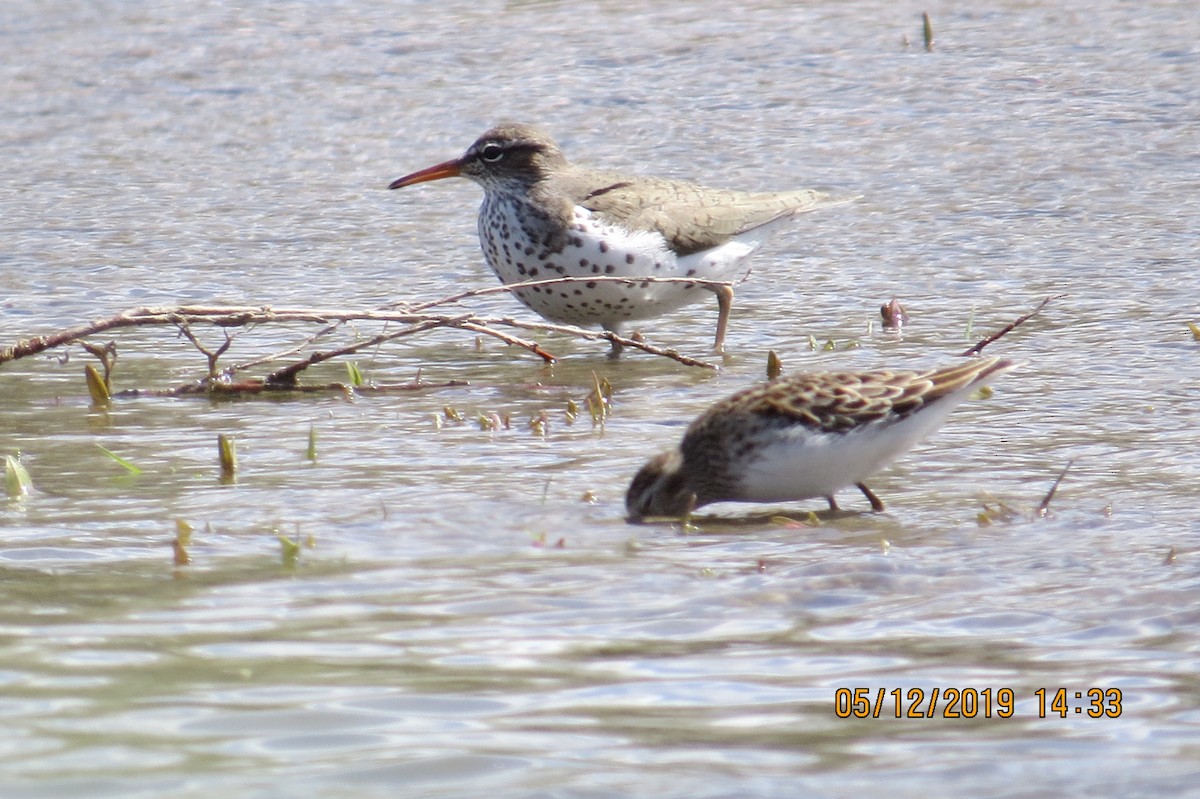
[(467, 612)]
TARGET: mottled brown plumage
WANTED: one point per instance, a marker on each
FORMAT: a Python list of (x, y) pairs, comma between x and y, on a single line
[(803, 436)]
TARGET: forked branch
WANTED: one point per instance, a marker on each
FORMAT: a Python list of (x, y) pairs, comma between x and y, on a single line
[(413, 319)]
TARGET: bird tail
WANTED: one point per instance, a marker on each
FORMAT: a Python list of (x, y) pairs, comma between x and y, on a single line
[(953, 379)]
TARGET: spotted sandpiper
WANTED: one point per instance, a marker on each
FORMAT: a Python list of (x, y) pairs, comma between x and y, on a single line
[(545, 218), (803, 436)]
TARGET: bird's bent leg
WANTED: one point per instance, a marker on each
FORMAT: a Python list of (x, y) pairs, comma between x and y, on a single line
[(876, 502), (724, 307)]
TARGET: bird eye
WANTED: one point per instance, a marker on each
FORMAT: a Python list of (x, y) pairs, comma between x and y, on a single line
[(491, 152)]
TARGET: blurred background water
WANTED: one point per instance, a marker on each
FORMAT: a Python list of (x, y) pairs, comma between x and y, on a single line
[(468, 612)]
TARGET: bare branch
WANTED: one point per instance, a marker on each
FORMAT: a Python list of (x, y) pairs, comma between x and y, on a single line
[(234, 316), (37, 344), (605, 335), (262, 387), (977, 348), (532, 346), (212, 356), (508, 288), (287, 375), (1044, 508)]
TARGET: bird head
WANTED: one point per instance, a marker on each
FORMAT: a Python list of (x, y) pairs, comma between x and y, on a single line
[(660, 489), (510, 155)]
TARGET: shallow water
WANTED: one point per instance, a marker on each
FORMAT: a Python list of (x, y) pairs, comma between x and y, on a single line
[(469, 612)]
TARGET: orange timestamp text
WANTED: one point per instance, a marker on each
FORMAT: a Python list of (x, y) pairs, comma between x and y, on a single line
[(969, 703)]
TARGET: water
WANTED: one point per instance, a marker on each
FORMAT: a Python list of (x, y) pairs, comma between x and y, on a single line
[(469, 613)]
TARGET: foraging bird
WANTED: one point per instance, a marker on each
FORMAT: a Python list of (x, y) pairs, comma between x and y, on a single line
[(543, 218), (803, 436)]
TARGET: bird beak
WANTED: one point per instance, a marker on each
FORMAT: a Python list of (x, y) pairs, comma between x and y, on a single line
[(446, 169)]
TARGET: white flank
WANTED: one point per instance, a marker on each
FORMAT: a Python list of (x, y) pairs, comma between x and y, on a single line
[(799, 463)]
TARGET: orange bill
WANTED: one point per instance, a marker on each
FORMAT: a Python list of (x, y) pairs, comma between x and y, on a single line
[(446, 169)]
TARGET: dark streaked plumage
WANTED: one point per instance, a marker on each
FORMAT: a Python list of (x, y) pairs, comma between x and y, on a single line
[(802, 436)]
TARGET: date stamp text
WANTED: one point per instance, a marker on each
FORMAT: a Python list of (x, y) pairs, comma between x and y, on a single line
[(970, 703)]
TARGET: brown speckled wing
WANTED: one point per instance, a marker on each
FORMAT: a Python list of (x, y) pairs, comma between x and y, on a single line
[(840, 401), (835, 402)]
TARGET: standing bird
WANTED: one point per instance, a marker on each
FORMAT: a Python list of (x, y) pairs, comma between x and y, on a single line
[(543, 218), (803, 436)]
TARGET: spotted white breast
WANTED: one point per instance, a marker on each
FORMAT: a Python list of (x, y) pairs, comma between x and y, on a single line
[(592, 248)]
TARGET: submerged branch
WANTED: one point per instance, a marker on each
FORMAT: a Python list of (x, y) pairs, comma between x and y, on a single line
[(416, 318), (413, 320), (258, 386), (235, 316)]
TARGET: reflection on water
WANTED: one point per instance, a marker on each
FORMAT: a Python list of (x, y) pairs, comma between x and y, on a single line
[(469, 612)]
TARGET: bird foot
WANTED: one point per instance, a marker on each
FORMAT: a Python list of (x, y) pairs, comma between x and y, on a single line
[(876, 502)]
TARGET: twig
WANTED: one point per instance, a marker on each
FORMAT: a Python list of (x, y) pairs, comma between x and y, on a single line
[(256, 386), (286, 377), (1044, 507), (32, 346), (976, 348), (532, 346), (284, 353), (508, 288), (234, 316), (210, 355), (607, 335)]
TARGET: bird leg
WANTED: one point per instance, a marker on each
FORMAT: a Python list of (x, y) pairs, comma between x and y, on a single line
[(617, 346), (876, 502), (724, 306), (833, 506)]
